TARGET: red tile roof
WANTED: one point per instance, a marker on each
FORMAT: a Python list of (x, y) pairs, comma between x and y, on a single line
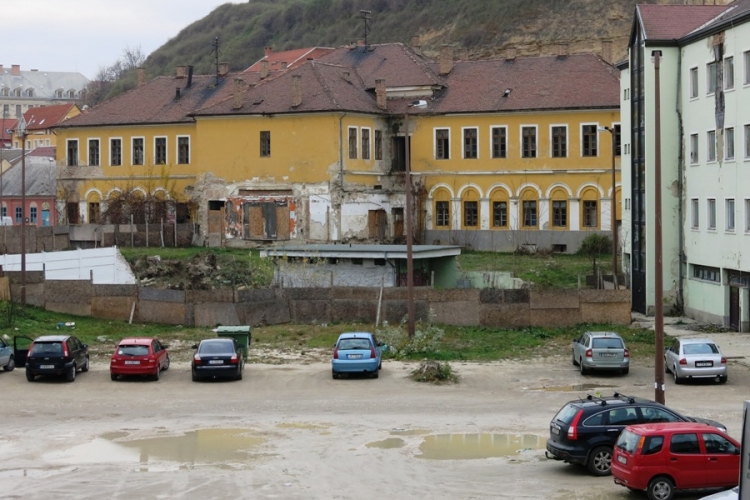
[(49, 151), (45, 117), (671, 22), (292, 58)]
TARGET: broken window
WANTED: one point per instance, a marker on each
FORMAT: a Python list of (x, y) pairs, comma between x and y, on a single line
[(265, 143), (442, 144)]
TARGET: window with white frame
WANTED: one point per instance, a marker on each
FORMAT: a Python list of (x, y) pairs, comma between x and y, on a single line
[(137, 151), (528, 142), (694, 148), (589, 140), (693, 83), (365, 143), (746, 60), (711, 214), (695, 218), (442, 144), (353, 143), (729, 143), (471, 143), (729, 214), (115, 152), (160, 151), (93, 152), (499, 142), (183, 150), (728, 73), (72, 151), (747, 215), (559, 141), (711, 78), (711, 146)]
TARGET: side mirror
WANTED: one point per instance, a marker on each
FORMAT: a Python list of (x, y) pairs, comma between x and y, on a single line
[(195, 346)]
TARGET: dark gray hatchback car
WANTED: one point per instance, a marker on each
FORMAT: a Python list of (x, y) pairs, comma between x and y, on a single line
[(56, 355)]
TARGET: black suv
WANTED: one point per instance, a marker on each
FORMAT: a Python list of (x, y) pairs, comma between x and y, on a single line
[(584, 431), (57, 355)]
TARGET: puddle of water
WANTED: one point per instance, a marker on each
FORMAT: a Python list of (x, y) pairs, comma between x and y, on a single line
[(409, 432), (111, 436), (571, 388), (303, 425), (205, 446), (478, 446), (387, 444)]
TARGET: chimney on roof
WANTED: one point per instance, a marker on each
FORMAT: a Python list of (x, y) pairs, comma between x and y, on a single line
[(15, 70), (510, 53), (223, 69), (141, 76), (190, 77), (180, 72), (380, 94), (607, 51), (267, 50), (237, 97), (296, 90), (264, 68), (446, 59)]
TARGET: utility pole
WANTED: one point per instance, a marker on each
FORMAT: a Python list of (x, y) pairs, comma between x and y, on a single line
[(659, 278)]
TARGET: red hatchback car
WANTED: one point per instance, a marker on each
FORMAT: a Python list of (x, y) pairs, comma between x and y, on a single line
[(139, 356), (662, 458)]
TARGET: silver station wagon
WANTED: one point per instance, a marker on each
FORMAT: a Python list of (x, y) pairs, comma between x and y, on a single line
[(601, 351)]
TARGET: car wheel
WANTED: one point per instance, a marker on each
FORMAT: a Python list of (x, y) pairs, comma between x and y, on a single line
[(666, 366), (85, 367), (723, 379), (660, 488), (113, 376), (677, 380), (625, 371), (71, 375), (157, 375), (334, 375), (195, 376), (380, 366), (30, 376), (10, 366), (600, 461), (375, 374), (166, 365), (584, 370), (575, 363)]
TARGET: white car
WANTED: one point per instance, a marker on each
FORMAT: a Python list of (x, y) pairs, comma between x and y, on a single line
[(695, 358), (732, 494)]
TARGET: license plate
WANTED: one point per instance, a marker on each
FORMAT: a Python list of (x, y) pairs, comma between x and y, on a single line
[(703, 364), (622, 459), (607, 354), (216, 362), (46, 367), (132, 362), (355, 356), (555, 431)]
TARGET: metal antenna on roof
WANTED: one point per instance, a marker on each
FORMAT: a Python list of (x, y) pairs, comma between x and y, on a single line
[(366, 17), (216, 54)]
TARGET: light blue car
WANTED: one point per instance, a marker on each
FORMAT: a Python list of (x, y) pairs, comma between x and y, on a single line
[(357, 352), (7, 359)]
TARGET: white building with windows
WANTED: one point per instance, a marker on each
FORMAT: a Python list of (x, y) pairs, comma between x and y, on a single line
[(21, 90), (705, 160)]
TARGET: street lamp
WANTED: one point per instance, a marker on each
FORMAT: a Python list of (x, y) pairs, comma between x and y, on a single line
[(21, 133), (659, 278), (409, 237), (611, 131)]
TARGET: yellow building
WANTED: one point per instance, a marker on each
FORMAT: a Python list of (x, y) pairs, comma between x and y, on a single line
[(504, 152), (39, 124)]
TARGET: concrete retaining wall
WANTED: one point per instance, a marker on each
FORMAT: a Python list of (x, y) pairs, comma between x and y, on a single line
[(464, 307)]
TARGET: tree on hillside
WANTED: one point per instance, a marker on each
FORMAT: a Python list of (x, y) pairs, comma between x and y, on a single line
[(115, 79)]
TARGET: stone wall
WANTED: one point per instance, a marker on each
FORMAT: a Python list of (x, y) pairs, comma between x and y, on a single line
[(464, 307)]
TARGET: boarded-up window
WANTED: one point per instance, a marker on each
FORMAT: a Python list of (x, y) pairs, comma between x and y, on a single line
[(266, 220), (377, 222)]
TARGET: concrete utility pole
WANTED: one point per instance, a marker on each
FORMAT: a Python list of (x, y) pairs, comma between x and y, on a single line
[(659, 278)]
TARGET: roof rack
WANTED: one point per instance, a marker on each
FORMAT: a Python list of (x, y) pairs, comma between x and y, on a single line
[(623, 397), (601, 401)]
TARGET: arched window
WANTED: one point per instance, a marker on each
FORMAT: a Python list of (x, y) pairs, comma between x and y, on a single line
[(529, 204), (558, 206), (95, 207), (442, 207), (590, 208), (500, 209), (470, 208)]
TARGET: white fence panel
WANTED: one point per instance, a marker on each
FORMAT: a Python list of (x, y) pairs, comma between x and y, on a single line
[(106, 265)]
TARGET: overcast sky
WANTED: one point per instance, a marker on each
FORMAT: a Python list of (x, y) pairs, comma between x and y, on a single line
[(83, 35)]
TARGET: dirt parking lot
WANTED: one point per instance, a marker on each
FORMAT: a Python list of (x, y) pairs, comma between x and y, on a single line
[(289, 431)]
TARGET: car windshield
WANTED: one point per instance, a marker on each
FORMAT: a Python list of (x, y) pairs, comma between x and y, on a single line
[(216, 348), (606, 343), (47, 348), (706, 348), (354, 344), (132, 350), (627, 441), (566, 413)]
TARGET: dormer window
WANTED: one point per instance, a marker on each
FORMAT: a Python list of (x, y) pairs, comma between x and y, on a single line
[(17, 92), (72, 94), (29, 92), (59, 93)]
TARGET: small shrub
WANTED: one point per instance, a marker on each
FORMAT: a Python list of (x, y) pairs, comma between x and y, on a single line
[(427, 338), (435, 373)]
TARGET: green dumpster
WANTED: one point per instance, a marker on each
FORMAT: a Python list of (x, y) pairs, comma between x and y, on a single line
[(241, 335)]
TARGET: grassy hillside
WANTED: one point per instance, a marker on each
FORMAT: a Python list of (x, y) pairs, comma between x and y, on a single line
[(483, 27)]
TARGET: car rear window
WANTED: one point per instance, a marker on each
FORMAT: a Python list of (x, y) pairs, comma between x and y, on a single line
[(628, 441), (216, 348), (700, 349), (354, 344), (606, 343), (566, 413), (133, 350), (47, 348)]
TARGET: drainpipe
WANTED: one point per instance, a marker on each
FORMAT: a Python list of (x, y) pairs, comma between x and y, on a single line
[(680, 191)]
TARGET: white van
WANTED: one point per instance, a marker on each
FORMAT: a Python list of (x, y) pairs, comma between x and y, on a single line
[(6, 221)]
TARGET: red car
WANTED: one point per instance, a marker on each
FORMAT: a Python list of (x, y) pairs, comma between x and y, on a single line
[(139, 356), (662, 458)]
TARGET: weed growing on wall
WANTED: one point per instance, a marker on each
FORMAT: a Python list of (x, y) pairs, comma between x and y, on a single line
[(427, 338)]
